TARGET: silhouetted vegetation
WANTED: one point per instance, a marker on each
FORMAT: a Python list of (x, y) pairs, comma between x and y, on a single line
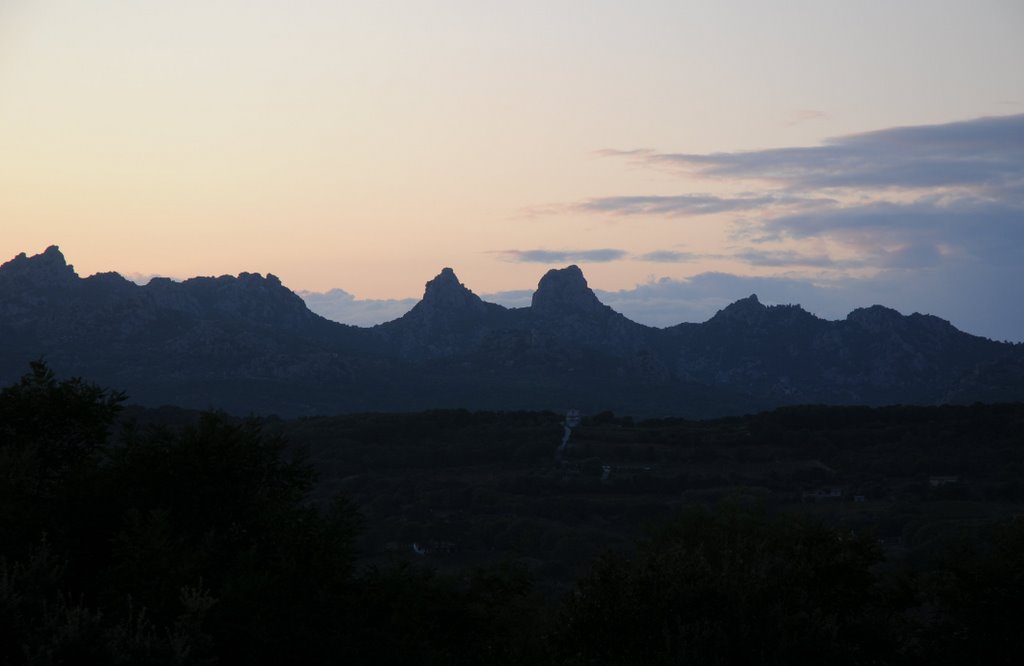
[(165, 537)]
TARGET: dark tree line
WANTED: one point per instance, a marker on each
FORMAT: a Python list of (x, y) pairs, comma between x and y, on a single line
[(200, 545)]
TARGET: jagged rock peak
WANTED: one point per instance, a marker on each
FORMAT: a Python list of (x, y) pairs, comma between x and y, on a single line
[(47, 268), (749, 304), (256, 278), (565, 290), (747, 309), (445, 291), (53, 253)]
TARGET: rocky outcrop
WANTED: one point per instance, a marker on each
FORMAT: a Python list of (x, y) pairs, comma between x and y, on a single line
[(564, 291), (446, 293), (448, 321), (565, 312), (746, 310), (42, 271)]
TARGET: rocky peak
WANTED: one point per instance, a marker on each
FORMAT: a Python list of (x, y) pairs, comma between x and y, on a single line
[(564, 290), (247, 296), (44, 270), (257, 279), (875, 318), (445, 292), (746, 310), (248, 286)]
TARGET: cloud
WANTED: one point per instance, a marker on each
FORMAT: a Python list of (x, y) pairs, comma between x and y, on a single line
[(788, 258), (681, 205), (927, 230), (601, 255), (636, 152), (341, 306), (985, 152), (518, 298), (684, 204), (669, 257), (142, 279), (804, 115), (775, 258)]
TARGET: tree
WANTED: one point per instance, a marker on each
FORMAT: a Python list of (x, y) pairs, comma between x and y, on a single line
[(51, 435), (69, 420), (159, 546), (731, 587)]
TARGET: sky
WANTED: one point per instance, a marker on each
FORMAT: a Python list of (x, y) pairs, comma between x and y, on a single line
[(684, 155)]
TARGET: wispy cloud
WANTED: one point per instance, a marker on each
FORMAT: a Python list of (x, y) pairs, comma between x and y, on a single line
[(600, 255), (923, 231), (900, 197), (635, 152), (805, 115), (784, 258), (684, 204), (983, 152), (669, 257), (773, 258)]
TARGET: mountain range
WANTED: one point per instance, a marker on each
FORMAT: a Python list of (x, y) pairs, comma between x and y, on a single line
[(248, 344)]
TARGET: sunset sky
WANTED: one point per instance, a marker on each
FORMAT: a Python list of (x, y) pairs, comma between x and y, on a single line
[(684, 154)]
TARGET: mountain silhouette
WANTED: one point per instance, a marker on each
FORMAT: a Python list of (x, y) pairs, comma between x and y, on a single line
[(247, 343)]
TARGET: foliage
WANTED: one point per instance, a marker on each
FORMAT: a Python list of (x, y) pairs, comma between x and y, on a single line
[(976, 593), (211, 542), (730, 587), (175, 544)]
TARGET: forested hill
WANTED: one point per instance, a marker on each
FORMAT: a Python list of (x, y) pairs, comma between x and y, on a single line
[(247, 343), (847, 535)]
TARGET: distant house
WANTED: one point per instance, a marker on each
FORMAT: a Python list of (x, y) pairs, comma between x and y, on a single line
[(935, 481)]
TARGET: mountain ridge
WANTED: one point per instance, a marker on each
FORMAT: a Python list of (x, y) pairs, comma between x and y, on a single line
[(223, 341)]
